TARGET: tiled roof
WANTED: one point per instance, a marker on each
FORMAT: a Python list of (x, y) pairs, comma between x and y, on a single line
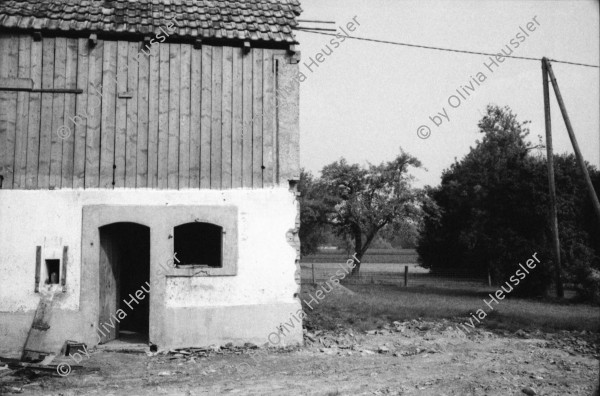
[(254, 20)]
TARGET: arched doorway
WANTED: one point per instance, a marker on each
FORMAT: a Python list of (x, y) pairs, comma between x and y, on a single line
[(124, 276)]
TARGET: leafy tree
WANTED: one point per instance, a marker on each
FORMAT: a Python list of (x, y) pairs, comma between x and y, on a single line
[(491, 210), (313, 212), (364, 200)]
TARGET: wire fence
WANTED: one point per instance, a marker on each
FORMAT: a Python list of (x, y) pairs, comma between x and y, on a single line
[(407, 275)]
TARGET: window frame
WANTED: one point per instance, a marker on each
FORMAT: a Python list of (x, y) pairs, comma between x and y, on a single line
[(225, 217), (219, 229)]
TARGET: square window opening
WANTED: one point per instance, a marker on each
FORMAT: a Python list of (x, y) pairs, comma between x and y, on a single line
[(52, 271), (199, 244)]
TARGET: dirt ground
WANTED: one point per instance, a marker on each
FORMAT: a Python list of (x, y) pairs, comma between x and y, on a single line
[(405, 358)]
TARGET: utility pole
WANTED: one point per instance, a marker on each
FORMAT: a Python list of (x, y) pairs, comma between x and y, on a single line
[(580, 160), (550, 161)]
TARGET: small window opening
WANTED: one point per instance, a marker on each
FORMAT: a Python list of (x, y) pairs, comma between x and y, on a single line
[(199, 244), (53, 271)]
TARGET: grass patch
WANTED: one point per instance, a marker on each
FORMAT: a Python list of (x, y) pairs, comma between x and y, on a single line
[(375, 305)]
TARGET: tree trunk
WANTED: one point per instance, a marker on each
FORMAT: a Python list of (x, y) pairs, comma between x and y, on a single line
[(358, 253), (360, 249)]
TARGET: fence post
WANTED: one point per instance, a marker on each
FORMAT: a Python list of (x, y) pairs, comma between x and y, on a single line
[(489, 278), (313, 273), (405, 275)]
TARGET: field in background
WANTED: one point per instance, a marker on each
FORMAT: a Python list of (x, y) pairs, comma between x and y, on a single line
[(384, 266), (382, 297), (393, 256)]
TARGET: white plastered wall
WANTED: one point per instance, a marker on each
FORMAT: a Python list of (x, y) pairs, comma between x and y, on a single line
[(52, 219)]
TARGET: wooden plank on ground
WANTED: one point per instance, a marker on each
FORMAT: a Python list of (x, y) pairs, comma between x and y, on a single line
[(195, 103), (237, 121), (33, 127), (268, 118), (163, 117), (107, 126), (142, 127), (36, 337), (184, 105), (70, 114), (153, 101), (24, 71), (248, 120), (216, 138), (58, 113), (121, 114), (205, 120), (257, 112), (94, 105), (226, 121), (132, 117), (79, 129), (46, 113)]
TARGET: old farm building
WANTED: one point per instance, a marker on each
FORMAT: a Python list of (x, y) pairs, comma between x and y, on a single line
[(148, 158)]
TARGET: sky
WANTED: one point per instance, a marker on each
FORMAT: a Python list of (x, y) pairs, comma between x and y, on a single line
[(366, 100)]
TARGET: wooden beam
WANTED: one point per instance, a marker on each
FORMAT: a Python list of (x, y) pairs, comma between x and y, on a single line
[(93, 40), (205, 116), (143, 124), (38, 267), (163, 116), (237, 122), (174, 120), (63, 270), (58, 110), (120, 135), (185, 103), (94, 104), (196, 96), (294, 59), (108, 123), (247, 121), (257, 118), (292, 49), (132, 118), (226, 118), (22, 121), (153, 99), (550, 161), (70, 110), (215, 129), (580, 160), (26, 85), (16, 84), (33, 127)]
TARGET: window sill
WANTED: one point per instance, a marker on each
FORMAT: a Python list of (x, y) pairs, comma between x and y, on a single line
[(200, 271)]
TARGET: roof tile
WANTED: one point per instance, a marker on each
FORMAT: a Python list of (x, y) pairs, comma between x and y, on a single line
[(268, 20)]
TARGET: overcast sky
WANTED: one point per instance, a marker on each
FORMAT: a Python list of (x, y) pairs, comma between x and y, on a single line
[(366, 100)]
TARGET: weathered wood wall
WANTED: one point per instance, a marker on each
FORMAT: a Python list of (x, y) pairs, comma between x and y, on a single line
[(181, 118)]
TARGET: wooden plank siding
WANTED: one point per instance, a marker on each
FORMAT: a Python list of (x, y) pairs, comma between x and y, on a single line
[(21, 126), (181, 118)]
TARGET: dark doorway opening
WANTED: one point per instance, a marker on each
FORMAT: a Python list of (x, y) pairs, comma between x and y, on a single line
[(124, 282)]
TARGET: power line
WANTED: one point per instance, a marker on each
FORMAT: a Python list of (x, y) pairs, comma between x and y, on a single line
[(446, 49)]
